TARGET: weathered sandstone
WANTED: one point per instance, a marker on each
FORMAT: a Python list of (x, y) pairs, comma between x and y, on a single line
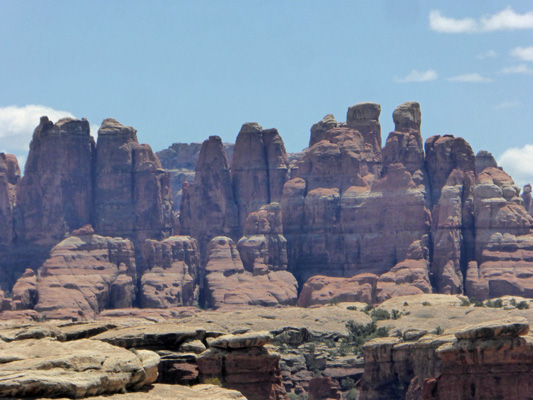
[(171, 278)]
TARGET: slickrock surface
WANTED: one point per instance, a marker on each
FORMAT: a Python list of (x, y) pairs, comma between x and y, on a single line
[(132, 197), (228, 284), (176, 392), (84, 275), (172, 276), (75, 369)]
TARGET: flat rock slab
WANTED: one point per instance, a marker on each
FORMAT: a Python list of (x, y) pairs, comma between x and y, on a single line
[(156, 336), (250, 339), (172, 392), (511, 327), (74, 369)]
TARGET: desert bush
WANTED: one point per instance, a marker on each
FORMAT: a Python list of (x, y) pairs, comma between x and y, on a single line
[(347, 383), (438, 330), (379, 314), (426, 303), (523, 305), (213, 381), (465, 303), (396, 314), (498, 303)]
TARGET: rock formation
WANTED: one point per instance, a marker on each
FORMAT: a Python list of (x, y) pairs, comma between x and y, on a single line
[(485, 361), (208, 207), (179, 160), (241, 362), (172, 276), (55, 194), (132, 196), (228, 284), (259, 169), (84, 275), (9, 178)]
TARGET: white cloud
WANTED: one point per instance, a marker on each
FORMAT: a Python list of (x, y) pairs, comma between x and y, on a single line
[(487, 54), (518, 162), (524, 53), (471, 78), (518, 69), (504, 20), (18, 123), (418, 76), (507, 104)]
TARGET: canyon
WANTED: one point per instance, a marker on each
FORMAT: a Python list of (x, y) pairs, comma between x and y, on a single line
[(105, 228)]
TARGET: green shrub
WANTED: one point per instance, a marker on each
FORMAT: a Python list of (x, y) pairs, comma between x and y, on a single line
[(333, 302), (396, 314), (426, 303), (352, 308), (523, 305), (498, 303), (352, 395), (380, 314), (294, 396), (368, 308), (347, 384), (438, 330), (213, 381), (465, 303), (405, 304), (382, 331), (478, 303), (512, 302)]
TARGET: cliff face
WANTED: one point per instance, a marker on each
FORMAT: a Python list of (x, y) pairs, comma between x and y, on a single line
[(485, 361)]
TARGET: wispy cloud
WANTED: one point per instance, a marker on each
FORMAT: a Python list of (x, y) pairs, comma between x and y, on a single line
[(18, 123), (504, 20), (471, 78), (518, 69), (418, 76), (487, 54), (518, 162), (507, 104), (523, 53)]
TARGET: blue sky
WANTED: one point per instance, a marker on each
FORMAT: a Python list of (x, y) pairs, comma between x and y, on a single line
[(180, 71)]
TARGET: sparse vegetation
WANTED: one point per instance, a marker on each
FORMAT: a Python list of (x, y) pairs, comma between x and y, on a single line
[(347, 384), (396, 314), (351, 395), (379, 314), (368, 308), (523, 305), (498, 303), (426, 303), (478, 303), (438, 330), (465, 303), (512, 302), (359, 334), (213, 381), (352, 308), (333, 302)]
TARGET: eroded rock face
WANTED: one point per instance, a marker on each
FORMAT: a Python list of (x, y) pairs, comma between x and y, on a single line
[(179, 160), (485, 361), (9, 178), (451, 169), (241, 362), (259, 169), (172, 276), (55, 194), (132, 196), (228, 284), (86, 274), (503, 243), (208, 208)]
